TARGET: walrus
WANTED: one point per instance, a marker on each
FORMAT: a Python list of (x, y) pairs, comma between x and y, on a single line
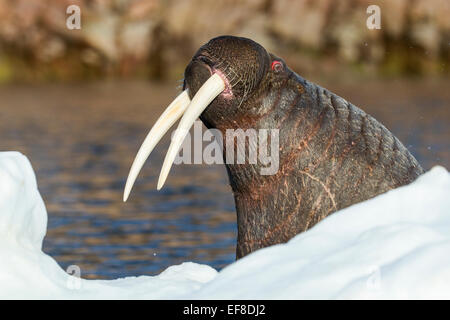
[(331, 153)]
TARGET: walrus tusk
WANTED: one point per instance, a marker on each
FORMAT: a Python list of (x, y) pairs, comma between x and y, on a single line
[(173, 112), (204, 96)]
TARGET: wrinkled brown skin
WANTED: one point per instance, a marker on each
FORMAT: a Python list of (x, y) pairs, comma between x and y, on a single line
[(332, 154)]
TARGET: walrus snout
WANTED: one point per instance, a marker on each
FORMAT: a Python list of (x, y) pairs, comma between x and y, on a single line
[(241, 62), (195, 75), (199, 70)]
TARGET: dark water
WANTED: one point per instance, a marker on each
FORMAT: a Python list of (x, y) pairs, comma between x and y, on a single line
[(81, 140)]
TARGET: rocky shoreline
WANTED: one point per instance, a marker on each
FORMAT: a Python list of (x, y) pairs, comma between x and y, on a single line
[(155, 38)]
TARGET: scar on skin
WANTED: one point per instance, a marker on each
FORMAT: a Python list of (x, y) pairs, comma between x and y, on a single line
[(327, 190)]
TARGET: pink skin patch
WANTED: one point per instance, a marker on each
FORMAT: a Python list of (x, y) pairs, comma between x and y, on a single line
[(277, 66), (227, 93)]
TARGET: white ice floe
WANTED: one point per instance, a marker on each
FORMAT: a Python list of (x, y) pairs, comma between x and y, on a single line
[(394, 246)]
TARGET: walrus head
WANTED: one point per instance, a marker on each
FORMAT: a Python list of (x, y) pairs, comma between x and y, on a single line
[(221, 85), (331, 153), (242, 64)]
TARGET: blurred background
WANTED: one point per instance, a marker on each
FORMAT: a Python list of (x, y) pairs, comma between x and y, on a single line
[(78, 103)]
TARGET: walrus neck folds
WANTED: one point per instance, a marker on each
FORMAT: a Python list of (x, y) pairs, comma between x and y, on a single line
[(332, 155)]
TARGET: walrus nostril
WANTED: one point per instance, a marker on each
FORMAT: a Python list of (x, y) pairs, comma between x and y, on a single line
[(205, 60), (196, 74)]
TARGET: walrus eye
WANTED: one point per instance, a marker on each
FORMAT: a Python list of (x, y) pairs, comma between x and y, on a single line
[(277, 66)]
